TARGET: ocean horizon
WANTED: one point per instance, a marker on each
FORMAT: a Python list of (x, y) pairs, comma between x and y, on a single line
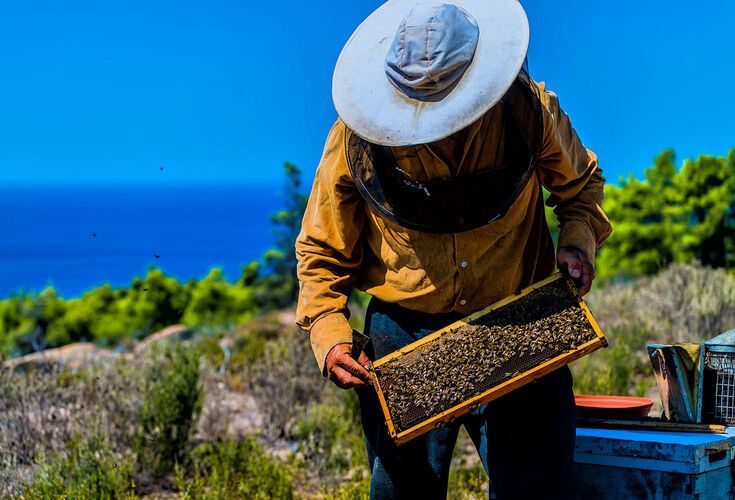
[(78, 238)]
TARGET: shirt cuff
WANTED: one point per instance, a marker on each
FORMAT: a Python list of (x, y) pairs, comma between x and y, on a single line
[(327, 332), (578, 235)]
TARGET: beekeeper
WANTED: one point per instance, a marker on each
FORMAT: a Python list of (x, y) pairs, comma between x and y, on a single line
[(429, 198)]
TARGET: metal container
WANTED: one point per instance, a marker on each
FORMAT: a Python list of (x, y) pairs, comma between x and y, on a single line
[(677, 376), (717, 380), (454, 397)]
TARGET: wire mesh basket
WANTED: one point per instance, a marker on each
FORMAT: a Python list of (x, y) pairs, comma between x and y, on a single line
[(484, 356), (717, 380)]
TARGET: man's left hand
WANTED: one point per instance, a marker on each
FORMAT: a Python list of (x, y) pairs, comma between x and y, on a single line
[(575, 263)]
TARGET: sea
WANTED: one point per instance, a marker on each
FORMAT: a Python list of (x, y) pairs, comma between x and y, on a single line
[(75, 239)]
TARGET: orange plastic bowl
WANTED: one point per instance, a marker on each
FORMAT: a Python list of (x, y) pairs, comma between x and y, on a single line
[(613, 407)]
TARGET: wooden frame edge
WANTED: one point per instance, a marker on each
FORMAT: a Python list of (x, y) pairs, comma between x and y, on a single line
[(593, 322), (383, 404)]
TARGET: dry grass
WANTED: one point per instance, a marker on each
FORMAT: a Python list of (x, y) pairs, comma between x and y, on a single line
[(684, 303), (42, 410), (269, 387)]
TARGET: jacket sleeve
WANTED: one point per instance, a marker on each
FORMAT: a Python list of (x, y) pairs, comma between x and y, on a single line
[(329, 250), (570, 172)]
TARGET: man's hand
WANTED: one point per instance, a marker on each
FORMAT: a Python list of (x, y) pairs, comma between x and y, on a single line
[(574, 262), (344, 371)]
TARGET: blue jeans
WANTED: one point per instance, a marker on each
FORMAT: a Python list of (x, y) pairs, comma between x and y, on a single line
[(525, 439)]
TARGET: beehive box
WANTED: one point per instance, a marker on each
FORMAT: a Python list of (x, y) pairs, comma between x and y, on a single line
[(490, 353), (621, 464)]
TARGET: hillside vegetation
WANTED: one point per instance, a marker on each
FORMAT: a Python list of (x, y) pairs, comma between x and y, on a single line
[(244, 413), (240, 411)]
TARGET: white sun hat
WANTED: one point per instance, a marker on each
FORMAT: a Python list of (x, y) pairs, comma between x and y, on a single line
[(418, 71)]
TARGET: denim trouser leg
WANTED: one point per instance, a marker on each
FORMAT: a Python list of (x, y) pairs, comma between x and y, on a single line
[(525, 439)]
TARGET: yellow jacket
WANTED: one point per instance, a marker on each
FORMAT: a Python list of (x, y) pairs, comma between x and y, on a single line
[(344, 244)]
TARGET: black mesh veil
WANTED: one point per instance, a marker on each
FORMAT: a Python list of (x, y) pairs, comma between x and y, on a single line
[(461, 202)]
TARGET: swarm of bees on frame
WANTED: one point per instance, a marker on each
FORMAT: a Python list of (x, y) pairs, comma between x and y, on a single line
[(468, 360)]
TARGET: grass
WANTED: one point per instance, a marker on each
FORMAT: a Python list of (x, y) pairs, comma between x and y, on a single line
[(87, 469), (233, 470)]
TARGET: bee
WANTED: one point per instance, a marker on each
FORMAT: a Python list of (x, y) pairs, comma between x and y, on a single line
[(468, 359)]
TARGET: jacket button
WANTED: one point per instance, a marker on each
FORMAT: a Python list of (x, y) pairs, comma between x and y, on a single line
[(463, 302), (463, 264)]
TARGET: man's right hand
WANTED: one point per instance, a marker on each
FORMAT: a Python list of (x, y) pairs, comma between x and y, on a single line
[(344, 371)]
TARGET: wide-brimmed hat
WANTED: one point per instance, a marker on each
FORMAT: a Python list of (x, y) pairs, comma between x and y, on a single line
[(415, 71)]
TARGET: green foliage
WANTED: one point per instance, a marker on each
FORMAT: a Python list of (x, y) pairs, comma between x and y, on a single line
[(283, 381), (610, 371), (709, 204), (209, 349), (172, 403), (356, 488), (671, 217), (18, 330), (330, 435), (233, 470), (251, 339), (87, 470), (214, 301), (110, 316), (467, 482), (278, 287)]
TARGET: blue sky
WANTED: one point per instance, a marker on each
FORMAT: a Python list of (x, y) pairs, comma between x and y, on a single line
[(222, 92)]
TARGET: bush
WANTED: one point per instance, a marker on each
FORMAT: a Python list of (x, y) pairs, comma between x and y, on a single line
[(610, 372), (671, 216), (43, 410), (330, 436), (356, 488), (214, 301), (232, 470), (467, 482), (683, 303), (172, 403), (87, 470), (110, 316), (283, 381), (251, 339), (277, 286)]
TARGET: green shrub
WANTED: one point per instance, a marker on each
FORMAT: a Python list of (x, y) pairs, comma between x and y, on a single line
[(209, 349), (467, 482), (671, 216), (283, 381), (330, 436), (214, 301), (251, 339), (234, 470), (86, 470), (111, 316), (43, 410), (356, 488), (608, 372), (172, 403)]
